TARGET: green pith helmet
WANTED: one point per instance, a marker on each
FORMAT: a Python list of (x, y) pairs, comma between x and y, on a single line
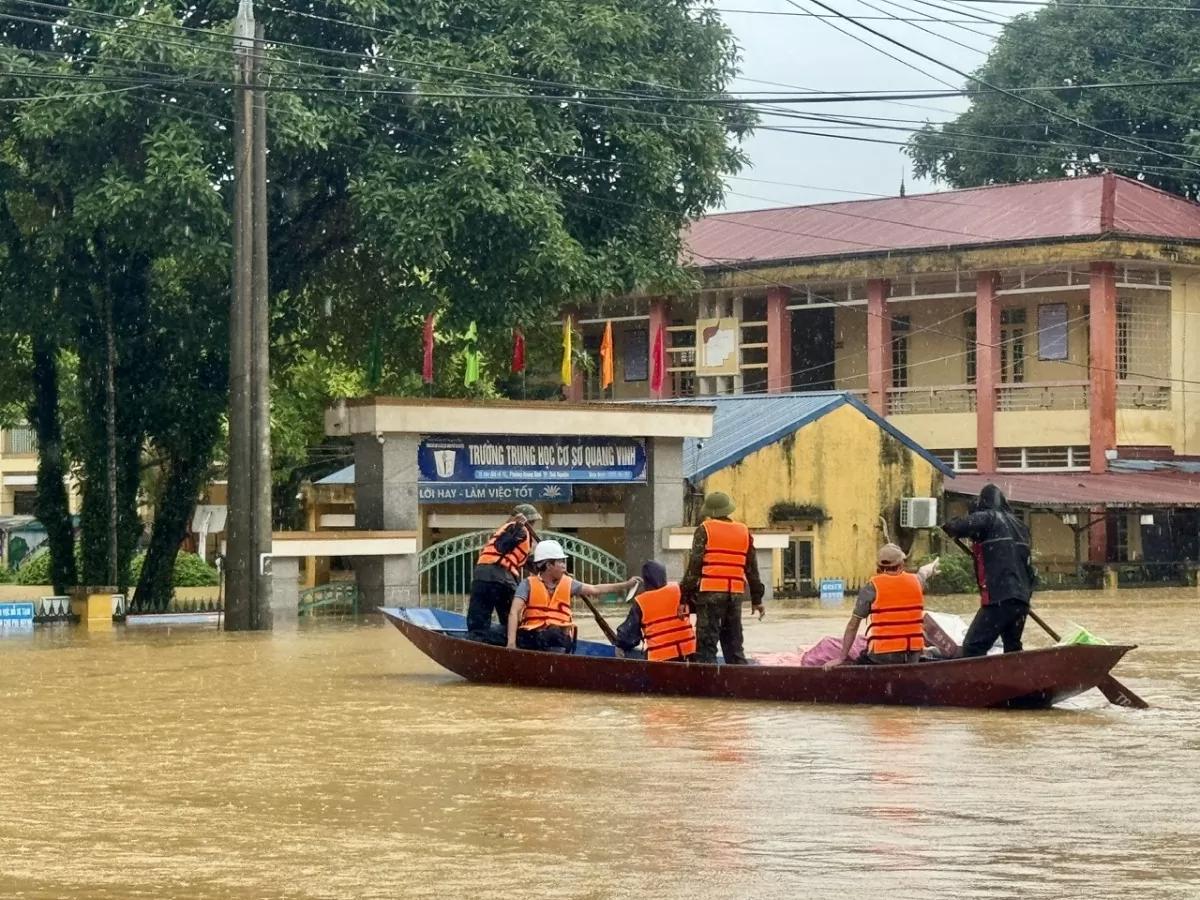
[(718, 505), (529, 512)]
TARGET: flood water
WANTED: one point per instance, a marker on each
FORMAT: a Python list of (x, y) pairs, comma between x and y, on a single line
[(339, 763)]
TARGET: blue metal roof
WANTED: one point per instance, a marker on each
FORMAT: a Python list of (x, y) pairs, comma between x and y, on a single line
[(341, 476), (745, 423)]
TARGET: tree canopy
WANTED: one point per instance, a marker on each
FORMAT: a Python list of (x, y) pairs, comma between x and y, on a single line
[(1134, 53), (487, 162)]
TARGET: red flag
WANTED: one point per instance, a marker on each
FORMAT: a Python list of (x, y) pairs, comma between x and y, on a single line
[(427, 367), (518, 357), (658, 362)]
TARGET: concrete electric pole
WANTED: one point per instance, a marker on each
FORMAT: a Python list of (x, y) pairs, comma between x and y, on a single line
[(248, 597)]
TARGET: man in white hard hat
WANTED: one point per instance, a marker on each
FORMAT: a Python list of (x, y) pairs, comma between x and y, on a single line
[(541, 618)]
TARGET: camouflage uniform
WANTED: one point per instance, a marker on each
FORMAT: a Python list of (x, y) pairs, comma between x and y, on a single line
[(719, 614)]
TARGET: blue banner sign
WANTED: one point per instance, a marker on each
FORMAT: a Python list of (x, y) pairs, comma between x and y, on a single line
[(494, 493), (531, 460), (833, 591), (16, 616)]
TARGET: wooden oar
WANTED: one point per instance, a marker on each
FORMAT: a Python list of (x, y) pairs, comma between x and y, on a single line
[(1113, 691), (600, 620)]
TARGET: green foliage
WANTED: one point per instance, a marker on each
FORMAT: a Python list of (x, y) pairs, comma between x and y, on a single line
[(190, 569), (1001, 139), (957, 575)]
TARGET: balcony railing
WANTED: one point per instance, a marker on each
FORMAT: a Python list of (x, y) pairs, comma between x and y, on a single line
[(1143, 395), (1057, 396), (19, 442), (918, 400)]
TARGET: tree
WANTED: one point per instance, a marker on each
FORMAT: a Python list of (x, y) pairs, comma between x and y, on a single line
[(487, 162), (1002, 139)]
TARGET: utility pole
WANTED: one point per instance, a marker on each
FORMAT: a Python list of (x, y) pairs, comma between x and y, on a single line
[(248, 598)]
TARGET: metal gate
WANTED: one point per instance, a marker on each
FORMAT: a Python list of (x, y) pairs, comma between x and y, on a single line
[(446, 568)]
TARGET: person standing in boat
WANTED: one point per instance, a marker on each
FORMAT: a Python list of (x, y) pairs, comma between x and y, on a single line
[(498, 571), (721, 567), (1000, 545), (660, 618), (541, 616), (894, 603)]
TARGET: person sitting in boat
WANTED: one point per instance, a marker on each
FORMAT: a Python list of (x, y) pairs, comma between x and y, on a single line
[(541, 617), (660, 618), (1000, 545), (498, 571), (894, 601)]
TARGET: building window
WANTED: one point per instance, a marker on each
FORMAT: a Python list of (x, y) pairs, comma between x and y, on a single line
[(970, 337), (962, 460), (1121, 530), (901, 325), (1124, 330), (1012, 345), (683, 384), (1061, 459), (798, 565), (24, 503)]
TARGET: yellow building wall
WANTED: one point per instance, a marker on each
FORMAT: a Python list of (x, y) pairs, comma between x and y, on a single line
[(939, 431), (1043, 428), (846, 465), (1185, 360)]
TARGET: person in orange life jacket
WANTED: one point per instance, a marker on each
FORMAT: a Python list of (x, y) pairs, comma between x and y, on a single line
[(894, 601), (721, 566), (659, 617), (541, 617), (498, 571), (1000, 544)]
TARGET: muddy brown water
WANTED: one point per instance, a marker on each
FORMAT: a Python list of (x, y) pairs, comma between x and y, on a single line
[(339, 763)]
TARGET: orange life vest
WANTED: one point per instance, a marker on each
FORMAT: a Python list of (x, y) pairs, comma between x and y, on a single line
[(514, 560), (544, 609), (667, 634), (897, 615), (725, 547)]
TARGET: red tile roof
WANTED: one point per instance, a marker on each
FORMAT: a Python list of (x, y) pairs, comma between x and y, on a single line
[(1079, 490), (1069, 208)]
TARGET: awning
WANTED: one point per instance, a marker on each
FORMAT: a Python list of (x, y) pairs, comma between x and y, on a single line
[(1082, 490)]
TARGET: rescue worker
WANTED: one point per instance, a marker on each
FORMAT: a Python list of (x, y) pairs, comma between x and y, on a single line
[(541, 616), (1000, 545), (498, 571), (660, 618), (894, 602), (721, 566)]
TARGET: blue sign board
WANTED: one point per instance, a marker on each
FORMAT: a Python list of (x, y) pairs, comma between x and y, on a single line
[(16, 616), (833, 591), (494, 493), (526, 461)]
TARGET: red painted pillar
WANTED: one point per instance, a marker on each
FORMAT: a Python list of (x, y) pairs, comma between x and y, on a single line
[(574, 391), (660, 317), (779, 340), (879, 344), (1102, 393), (987, 367)]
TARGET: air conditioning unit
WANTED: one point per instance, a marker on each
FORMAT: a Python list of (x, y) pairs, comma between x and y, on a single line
[(918, 512)]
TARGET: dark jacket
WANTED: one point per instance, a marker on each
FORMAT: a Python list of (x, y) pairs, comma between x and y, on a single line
[(1001, 546)]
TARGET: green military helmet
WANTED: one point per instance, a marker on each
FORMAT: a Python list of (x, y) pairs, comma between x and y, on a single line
[(718, 505), (528, 511)]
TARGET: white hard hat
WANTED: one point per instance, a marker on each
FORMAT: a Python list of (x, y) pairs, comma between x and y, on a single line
[(547, 551)]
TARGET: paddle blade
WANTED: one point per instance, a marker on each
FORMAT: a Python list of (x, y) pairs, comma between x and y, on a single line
[(1119, 695)]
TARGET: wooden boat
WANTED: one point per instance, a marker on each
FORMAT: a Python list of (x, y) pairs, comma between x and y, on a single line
[(1029, 680)]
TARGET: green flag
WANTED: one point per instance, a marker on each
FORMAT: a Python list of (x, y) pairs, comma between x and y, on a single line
[(471, 357)]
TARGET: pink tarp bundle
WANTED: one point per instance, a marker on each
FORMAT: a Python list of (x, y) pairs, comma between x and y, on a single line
[(945, 632)]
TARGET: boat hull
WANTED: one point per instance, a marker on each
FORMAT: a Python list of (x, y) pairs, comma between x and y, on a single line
[(1031, 679)]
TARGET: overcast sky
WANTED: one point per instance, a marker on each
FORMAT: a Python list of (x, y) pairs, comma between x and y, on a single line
[(797, 52)]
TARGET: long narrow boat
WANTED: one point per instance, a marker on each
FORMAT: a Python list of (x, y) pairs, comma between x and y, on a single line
[(1029, 680)]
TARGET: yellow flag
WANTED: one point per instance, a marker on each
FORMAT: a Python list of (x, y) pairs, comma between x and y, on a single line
[(567, 375), (606, 357)]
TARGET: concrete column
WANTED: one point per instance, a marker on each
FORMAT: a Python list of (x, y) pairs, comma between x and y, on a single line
[(766, 571), (310, 562), (660, 317), (987, 367), (879, 344), (1102, 393), (1185, 361), (285, 593), (779, 340), (654, 506), (385, 499)]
